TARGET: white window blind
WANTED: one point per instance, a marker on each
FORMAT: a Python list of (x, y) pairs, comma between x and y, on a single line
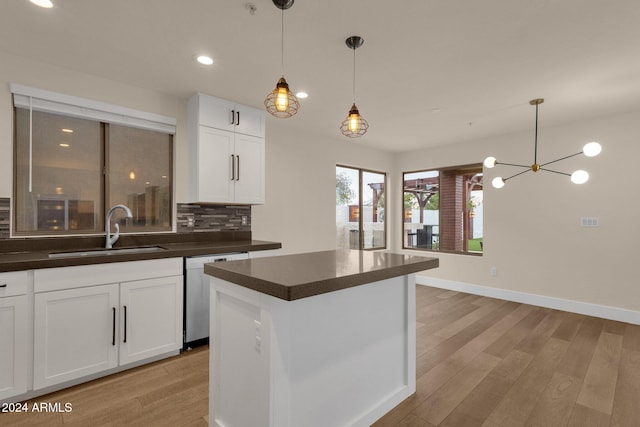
[(52, 102)]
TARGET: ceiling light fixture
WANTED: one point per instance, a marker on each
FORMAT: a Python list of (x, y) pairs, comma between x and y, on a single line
[(43, 3), (354, 125), (590, 149), (281, 102), (302, 95)]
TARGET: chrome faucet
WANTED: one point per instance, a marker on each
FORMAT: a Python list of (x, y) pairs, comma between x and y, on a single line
[(107, 225)]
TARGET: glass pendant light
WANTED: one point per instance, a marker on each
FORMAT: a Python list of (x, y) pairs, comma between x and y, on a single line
[(354, 125), (281, 102)]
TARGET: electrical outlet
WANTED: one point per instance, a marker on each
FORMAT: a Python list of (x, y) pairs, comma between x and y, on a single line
[(244, 220), (590, 222), (493, 271)]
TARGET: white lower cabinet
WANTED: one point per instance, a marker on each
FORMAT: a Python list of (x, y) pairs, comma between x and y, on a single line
[(87, 330), (13, 345), (151, 318), (75, 334)]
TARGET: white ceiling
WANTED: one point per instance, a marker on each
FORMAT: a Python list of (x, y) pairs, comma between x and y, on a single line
[(430, 72)]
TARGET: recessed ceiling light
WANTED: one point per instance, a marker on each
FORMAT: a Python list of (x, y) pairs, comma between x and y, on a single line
[(64, 144), (42, 3), (66, 130), (302, 95), (204, 59)]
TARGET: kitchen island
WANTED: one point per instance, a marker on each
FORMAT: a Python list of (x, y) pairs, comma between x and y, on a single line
[(314, 339)]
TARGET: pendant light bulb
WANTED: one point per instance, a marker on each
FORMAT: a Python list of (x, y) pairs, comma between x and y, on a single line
[(592, 149), (498, 182), (282, 100), (579, 177), (490, 162)]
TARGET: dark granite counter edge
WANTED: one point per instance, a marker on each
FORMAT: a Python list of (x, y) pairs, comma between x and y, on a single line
[(312, 288), (40, 259)]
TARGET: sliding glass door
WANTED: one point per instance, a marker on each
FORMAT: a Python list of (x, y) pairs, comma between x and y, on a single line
[(360, 209)]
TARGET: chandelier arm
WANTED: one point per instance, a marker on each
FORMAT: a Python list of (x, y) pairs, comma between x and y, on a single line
[(512, 164), (558, 172), (535, 149), (518, 174), (562, 158)]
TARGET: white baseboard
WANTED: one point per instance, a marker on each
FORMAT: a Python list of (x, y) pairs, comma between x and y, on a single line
[(603, 311)]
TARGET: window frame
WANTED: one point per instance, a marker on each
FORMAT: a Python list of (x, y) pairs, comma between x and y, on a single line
[(360, 208), (470, 167), (33, 99)]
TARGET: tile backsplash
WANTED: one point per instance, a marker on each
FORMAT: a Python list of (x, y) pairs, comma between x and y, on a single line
[(190, 218), (194, 217), (5, 216)]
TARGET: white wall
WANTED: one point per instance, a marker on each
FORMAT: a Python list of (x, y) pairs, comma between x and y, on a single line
[(532, 231), (300, 190)]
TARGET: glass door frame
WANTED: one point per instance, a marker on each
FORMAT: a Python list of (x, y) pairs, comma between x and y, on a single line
[(361, 210)]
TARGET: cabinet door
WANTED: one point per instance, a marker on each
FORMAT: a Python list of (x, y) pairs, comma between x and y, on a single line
[(250, 121), (216, 113), (151, 314), (249, 185), (215, 166), (75, 334), (13, 346)]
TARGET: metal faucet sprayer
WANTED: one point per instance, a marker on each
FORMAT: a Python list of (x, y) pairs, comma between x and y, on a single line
[(107, 225)]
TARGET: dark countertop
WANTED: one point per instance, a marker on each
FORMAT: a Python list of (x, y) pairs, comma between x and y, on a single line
[(30, 260), (291, 277)]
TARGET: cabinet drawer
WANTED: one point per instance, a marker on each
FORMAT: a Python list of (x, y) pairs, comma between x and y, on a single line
[(14, 283)]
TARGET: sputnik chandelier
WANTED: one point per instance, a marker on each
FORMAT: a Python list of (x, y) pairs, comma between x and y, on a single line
[(590, 149)]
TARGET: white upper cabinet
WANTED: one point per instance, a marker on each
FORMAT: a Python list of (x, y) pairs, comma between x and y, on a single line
[(227, 151), (221, 114)]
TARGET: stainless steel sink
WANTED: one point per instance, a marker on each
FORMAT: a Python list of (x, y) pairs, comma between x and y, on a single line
[(105, 252)]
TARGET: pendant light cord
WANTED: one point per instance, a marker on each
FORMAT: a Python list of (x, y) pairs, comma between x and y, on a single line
[(282, 44), (354, 75)]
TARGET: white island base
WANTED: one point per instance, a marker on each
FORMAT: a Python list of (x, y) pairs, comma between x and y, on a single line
[(342, 358)]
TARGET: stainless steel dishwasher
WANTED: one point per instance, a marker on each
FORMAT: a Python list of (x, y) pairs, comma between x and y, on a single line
[(196, 297)]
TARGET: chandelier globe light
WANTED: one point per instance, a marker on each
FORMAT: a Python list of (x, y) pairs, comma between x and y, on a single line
[(590, 149), (354, 125), (281, 102)]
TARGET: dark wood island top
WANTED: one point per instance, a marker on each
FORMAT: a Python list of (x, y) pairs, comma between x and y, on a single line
[(291, 277)]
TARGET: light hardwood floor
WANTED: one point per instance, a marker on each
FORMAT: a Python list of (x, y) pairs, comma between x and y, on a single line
[(480, 362)]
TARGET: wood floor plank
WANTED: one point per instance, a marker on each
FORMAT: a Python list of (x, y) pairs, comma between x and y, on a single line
[(441, 403), (521, 399), (463, 322), (599, 383), (507, 312), (556, 403), (626, 406), (631, 339), (479, 404), (568, 327), (520, 331), (578, 357), (587, 417)]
